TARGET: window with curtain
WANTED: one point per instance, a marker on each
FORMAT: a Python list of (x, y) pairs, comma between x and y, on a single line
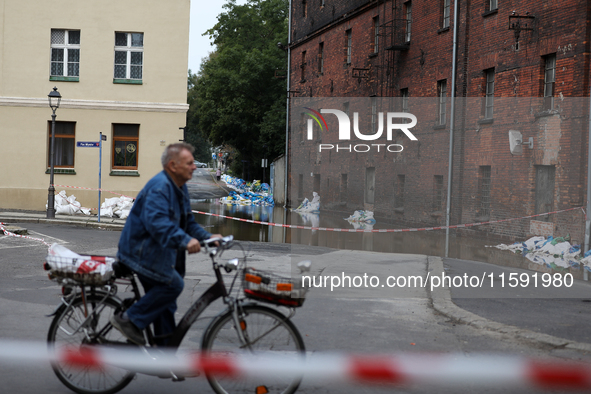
[(125, 146), (65, 142)]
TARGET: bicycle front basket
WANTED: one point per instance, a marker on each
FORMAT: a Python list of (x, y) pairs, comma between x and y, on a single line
[(268, 287)]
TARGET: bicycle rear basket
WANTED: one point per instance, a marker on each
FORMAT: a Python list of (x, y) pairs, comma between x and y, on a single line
[(268, 287), (88, 270)]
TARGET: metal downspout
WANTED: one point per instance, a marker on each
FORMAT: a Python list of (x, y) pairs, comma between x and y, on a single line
[(451, 126), (588, 210), (287, 120)]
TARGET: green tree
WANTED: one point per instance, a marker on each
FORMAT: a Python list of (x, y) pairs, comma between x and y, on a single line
[(240, 102), (193, 134)]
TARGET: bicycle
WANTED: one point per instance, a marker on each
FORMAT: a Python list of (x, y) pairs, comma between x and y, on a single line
[(88, 302)]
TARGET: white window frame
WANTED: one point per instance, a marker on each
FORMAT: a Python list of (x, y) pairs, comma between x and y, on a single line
[(376, 32), (442, 102), (493, 5), (404, 98), (549, 79), (408, 14), (349, 39), (65, 47), (446, 13), (129, 49), (321, 58), (489, 93), (374, 113)]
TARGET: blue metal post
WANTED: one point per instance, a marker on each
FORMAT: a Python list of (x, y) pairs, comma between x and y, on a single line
[(100, 167)]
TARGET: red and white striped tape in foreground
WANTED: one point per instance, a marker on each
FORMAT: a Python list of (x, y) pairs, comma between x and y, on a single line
[(388, 230), (431, 369), (10, 234)]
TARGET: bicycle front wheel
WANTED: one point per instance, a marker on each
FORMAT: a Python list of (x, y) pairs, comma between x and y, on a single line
[(87, 324), (264, 330)]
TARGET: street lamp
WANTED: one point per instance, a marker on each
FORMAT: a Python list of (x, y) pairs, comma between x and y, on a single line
[(54, 103)]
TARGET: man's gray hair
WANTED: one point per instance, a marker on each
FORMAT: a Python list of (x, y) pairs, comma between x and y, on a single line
[(172, 152)]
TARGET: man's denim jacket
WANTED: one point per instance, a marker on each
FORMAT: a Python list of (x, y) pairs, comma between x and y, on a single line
[(152, 235)]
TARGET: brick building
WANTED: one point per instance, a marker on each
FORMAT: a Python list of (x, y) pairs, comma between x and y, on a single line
[(522, 66)]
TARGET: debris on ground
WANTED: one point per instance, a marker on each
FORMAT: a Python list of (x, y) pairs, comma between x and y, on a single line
[(247, 193), (362, 220), (556, 253), (361, 216)]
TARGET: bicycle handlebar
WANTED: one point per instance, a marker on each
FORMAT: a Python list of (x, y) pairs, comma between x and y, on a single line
[(223, 241)]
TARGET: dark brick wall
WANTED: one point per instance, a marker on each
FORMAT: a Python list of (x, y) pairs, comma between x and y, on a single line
[(484, 42)]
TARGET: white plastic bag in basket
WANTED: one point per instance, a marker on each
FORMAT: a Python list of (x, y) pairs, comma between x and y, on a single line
[(62, 260)]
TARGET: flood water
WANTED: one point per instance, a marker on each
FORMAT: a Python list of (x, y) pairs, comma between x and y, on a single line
[(463, 246)]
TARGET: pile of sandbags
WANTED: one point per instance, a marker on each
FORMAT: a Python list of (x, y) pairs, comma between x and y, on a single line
[(116, 207), (310, 206), (65, 205)]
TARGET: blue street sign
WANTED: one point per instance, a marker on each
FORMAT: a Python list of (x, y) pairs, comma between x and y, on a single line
[(83, 144)]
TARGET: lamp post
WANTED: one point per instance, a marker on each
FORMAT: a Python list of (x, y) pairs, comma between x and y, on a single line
[(54, 102)]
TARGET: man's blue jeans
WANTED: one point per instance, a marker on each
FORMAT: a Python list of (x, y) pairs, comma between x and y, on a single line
[(157, 306)]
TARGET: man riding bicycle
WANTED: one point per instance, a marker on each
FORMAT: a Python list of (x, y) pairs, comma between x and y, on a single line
[(159, 229)]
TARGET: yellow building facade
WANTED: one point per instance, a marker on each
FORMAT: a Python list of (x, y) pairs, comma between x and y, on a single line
[(121, 69)]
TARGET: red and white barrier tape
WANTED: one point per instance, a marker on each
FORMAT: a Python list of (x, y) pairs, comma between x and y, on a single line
[(478, 370), (90, 188), (396, 230), (10, 234)]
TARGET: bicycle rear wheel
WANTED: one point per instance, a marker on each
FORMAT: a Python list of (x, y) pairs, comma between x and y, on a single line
[(265, 330), (69, 329)]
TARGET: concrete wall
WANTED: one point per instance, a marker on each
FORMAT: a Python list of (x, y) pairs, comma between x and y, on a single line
[(279, 180)]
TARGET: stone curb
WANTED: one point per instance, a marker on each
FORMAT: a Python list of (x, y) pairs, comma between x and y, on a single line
[(80, 223), (442, 302)]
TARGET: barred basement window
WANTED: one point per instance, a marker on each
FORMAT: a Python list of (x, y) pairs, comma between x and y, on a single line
[(65, 55), (129, 57), (484, 191)]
